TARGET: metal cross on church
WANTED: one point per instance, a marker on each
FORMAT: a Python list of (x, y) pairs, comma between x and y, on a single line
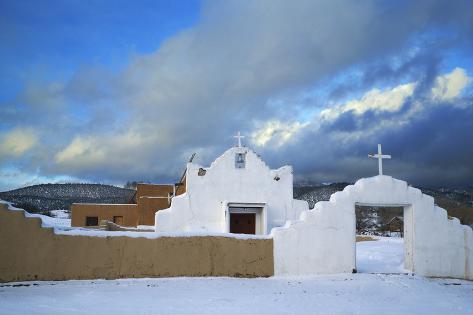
[(380, 158), (239, 137)]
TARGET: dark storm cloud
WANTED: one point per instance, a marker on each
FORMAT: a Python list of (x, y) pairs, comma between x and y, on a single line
[(435, 147), (441, 138), (345, 122), (350, 122), (407, 66)]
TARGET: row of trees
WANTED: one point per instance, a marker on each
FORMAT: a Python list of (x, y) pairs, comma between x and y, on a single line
[(378, 220)]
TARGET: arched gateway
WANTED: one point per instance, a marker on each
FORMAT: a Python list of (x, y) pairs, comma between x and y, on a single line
[(323, 240)]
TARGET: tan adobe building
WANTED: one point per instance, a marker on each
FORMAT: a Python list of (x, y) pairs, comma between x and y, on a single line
[(149, 198)]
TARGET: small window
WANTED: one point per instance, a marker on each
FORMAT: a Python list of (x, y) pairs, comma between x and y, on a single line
[(91, 221), (240, 160)]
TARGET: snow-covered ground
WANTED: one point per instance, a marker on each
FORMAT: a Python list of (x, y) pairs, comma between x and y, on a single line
[(61, 214), (335, 294), (383, 256), (362, 293), (60, 218)]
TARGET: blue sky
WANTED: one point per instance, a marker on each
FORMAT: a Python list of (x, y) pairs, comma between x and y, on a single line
[(108, 92), (52, 39)]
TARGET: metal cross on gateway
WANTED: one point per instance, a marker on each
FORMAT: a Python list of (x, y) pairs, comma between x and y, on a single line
[(380, 158), (239, 137)]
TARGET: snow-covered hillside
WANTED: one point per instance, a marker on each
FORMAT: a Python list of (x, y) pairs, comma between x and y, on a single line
[(315, 193), (47, 197)]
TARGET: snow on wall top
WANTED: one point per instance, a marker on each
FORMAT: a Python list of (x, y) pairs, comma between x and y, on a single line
[(48, 222)]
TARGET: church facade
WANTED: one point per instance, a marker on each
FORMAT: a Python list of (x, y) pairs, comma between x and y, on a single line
[(238, 193)]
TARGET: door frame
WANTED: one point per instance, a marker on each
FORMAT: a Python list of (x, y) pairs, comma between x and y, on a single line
[(408, 233), (258, 208)]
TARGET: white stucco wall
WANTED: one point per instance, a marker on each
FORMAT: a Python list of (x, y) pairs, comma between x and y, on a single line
[(323, 240), (468, 253), (202, 207)]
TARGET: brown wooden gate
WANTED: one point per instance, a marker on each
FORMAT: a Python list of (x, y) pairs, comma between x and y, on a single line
[(243, 223)]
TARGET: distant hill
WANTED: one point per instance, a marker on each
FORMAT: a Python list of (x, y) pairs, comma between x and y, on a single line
[(316, 192), (47, 197), (457, 202)]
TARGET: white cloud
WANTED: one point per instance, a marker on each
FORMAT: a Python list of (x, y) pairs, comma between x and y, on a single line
[(95, 150), (127, 152), (450, 85), (17, 142), (81, 151), (276, 133), (390, 100)]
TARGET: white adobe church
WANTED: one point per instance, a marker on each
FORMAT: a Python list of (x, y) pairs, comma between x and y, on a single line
[(238, 193)]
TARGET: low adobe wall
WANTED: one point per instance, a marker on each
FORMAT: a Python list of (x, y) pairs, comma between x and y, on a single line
[(30, 252)]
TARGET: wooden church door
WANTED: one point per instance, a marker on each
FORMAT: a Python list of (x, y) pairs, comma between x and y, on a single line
[(243, 223)]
